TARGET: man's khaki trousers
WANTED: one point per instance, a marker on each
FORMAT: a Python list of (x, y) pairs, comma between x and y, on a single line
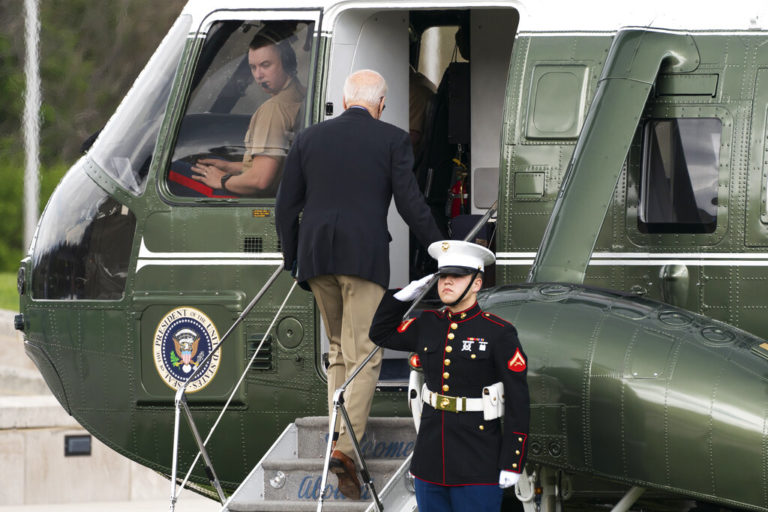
[(347, 305)]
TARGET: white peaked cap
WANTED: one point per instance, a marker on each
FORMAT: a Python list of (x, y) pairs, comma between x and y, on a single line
[(459, 257)]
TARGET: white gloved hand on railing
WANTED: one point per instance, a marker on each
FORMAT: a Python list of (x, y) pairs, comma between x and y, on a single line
[(508, 479), (413, 289)]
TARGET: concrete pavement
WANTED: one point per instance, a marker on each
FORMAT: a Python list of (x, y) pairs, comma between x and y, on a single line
[(188, 503)]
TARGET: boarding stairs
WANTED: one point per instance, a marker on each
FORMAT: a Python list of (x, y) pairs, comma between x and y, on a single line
[(293, 471), (290, 475), (288, 478)]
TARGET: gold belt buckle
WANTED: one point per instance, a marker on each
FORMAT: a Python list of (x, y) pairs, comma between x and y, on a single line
[(446, 403)]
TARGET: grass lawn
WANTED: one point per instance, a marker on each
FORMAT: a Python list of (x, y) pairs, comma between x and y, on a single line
[(9, 297)]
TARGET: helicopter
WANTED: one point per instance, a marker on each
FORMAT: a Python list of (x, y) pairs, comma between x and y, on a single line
[(625, 145)]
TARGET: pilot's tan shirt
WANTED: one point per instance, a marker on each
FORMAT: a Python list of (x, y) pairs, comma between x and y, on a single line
[(272, 128)]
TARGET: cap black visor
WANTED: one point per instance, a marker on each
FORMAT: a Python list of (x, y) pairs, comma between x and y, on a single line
[(456, 271)]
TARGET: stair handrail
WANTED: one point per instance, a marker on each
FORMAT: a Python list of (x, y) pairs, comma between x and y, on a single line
[(338, 395), (181, 399)]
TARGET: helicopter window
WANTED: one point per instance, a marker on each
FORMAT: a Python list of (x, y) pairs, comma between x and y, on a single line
[(124, 148), (246, 105), (681, 161), (83, 243)]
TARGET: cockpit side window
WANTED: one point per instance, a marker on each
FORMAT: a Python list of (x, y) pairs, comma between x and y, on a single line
[(679, 182), (246, 105), (83, 243), (125, 146)]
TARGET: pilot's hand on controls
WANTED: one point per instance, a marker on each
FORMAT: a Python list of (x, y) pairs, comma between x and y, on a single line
[(208, 173), (413, 289), (508, 479), (222, 165)]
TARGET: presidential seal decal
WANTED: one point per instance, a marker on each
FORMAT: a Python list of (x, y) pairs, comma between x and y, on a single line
[(183, 339)]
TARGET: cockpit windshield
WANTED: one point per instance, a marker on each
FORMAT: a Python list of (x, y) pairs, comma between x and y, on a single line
[(125, 146), (248, 100)]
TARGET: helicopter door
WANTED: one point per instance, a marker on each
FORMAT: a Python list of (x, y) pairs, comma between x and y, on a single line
[(378, 40), (367, 39), (677, 209)]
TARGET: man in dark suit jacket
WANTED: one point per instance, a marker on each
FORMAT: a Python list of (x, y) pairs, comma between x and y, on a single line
[(342, 174)]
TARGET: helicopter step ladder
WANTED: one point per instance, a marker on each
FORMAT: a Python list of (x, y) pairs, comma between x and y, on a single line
[(292, 456), (288, 477)]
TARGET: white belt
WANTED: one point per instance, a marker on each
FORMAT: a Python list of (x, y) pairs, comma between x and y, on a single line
[(491, 403), (451, 403)]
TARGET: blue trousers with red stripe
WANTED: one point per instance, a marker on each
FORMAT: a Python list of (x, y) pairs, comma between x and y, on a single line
[(457, 498)]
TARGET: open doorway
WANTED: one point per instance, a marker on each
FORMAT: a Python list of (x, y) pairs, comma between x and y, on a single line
[(467, 52), (452, 66)]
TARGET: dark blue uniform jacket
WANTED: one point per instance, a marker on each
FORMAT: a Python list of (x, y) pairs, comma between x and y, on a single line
[(460, 354)]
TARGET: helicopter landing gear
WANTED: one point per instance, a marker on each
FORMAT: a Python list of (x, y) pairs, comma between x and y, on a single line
[(543, 490)]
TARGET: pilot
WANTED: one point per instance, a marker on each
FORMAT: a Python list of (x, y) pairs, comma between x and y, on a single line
[(273, 66), (475, 374)]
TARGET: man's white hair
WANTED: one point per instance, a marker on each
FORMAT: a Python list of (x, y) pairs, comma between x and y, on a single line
[(365, 86)]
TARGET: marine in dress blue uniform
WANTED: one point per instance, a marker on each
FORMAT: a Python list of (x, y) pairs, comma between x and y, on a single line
[(461, 459)]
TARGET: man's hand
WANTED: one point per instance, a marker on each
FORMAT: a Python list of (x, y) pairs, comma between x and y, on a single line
[(413, 289), (208, 173), (508, 479), (222, 165)]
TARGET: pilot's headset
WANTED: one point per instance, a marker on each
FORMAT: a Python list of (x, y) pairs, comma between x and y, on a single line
[(282, 39)]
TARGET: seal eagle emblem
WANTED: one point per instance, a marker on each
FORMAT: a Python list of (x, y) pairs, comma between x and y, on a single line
[(183, 339)]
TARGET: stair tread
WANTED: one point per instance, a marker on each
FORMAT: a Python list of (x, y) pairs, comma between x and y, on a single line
[(375, 421), (290, 473), (289, 464), (299, 506)]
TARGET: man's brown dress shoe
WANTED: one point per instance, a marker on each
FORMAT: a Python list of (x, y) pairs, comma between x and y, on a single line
[(344, 468)]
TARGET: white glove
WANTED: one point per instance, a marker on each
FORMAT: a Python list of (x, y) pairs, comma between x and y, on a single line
[(413, 289), (508, 479)]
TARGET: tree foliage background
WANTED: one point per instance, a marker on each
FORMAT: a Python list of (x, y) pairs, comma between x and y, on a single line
[(90, 53)]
